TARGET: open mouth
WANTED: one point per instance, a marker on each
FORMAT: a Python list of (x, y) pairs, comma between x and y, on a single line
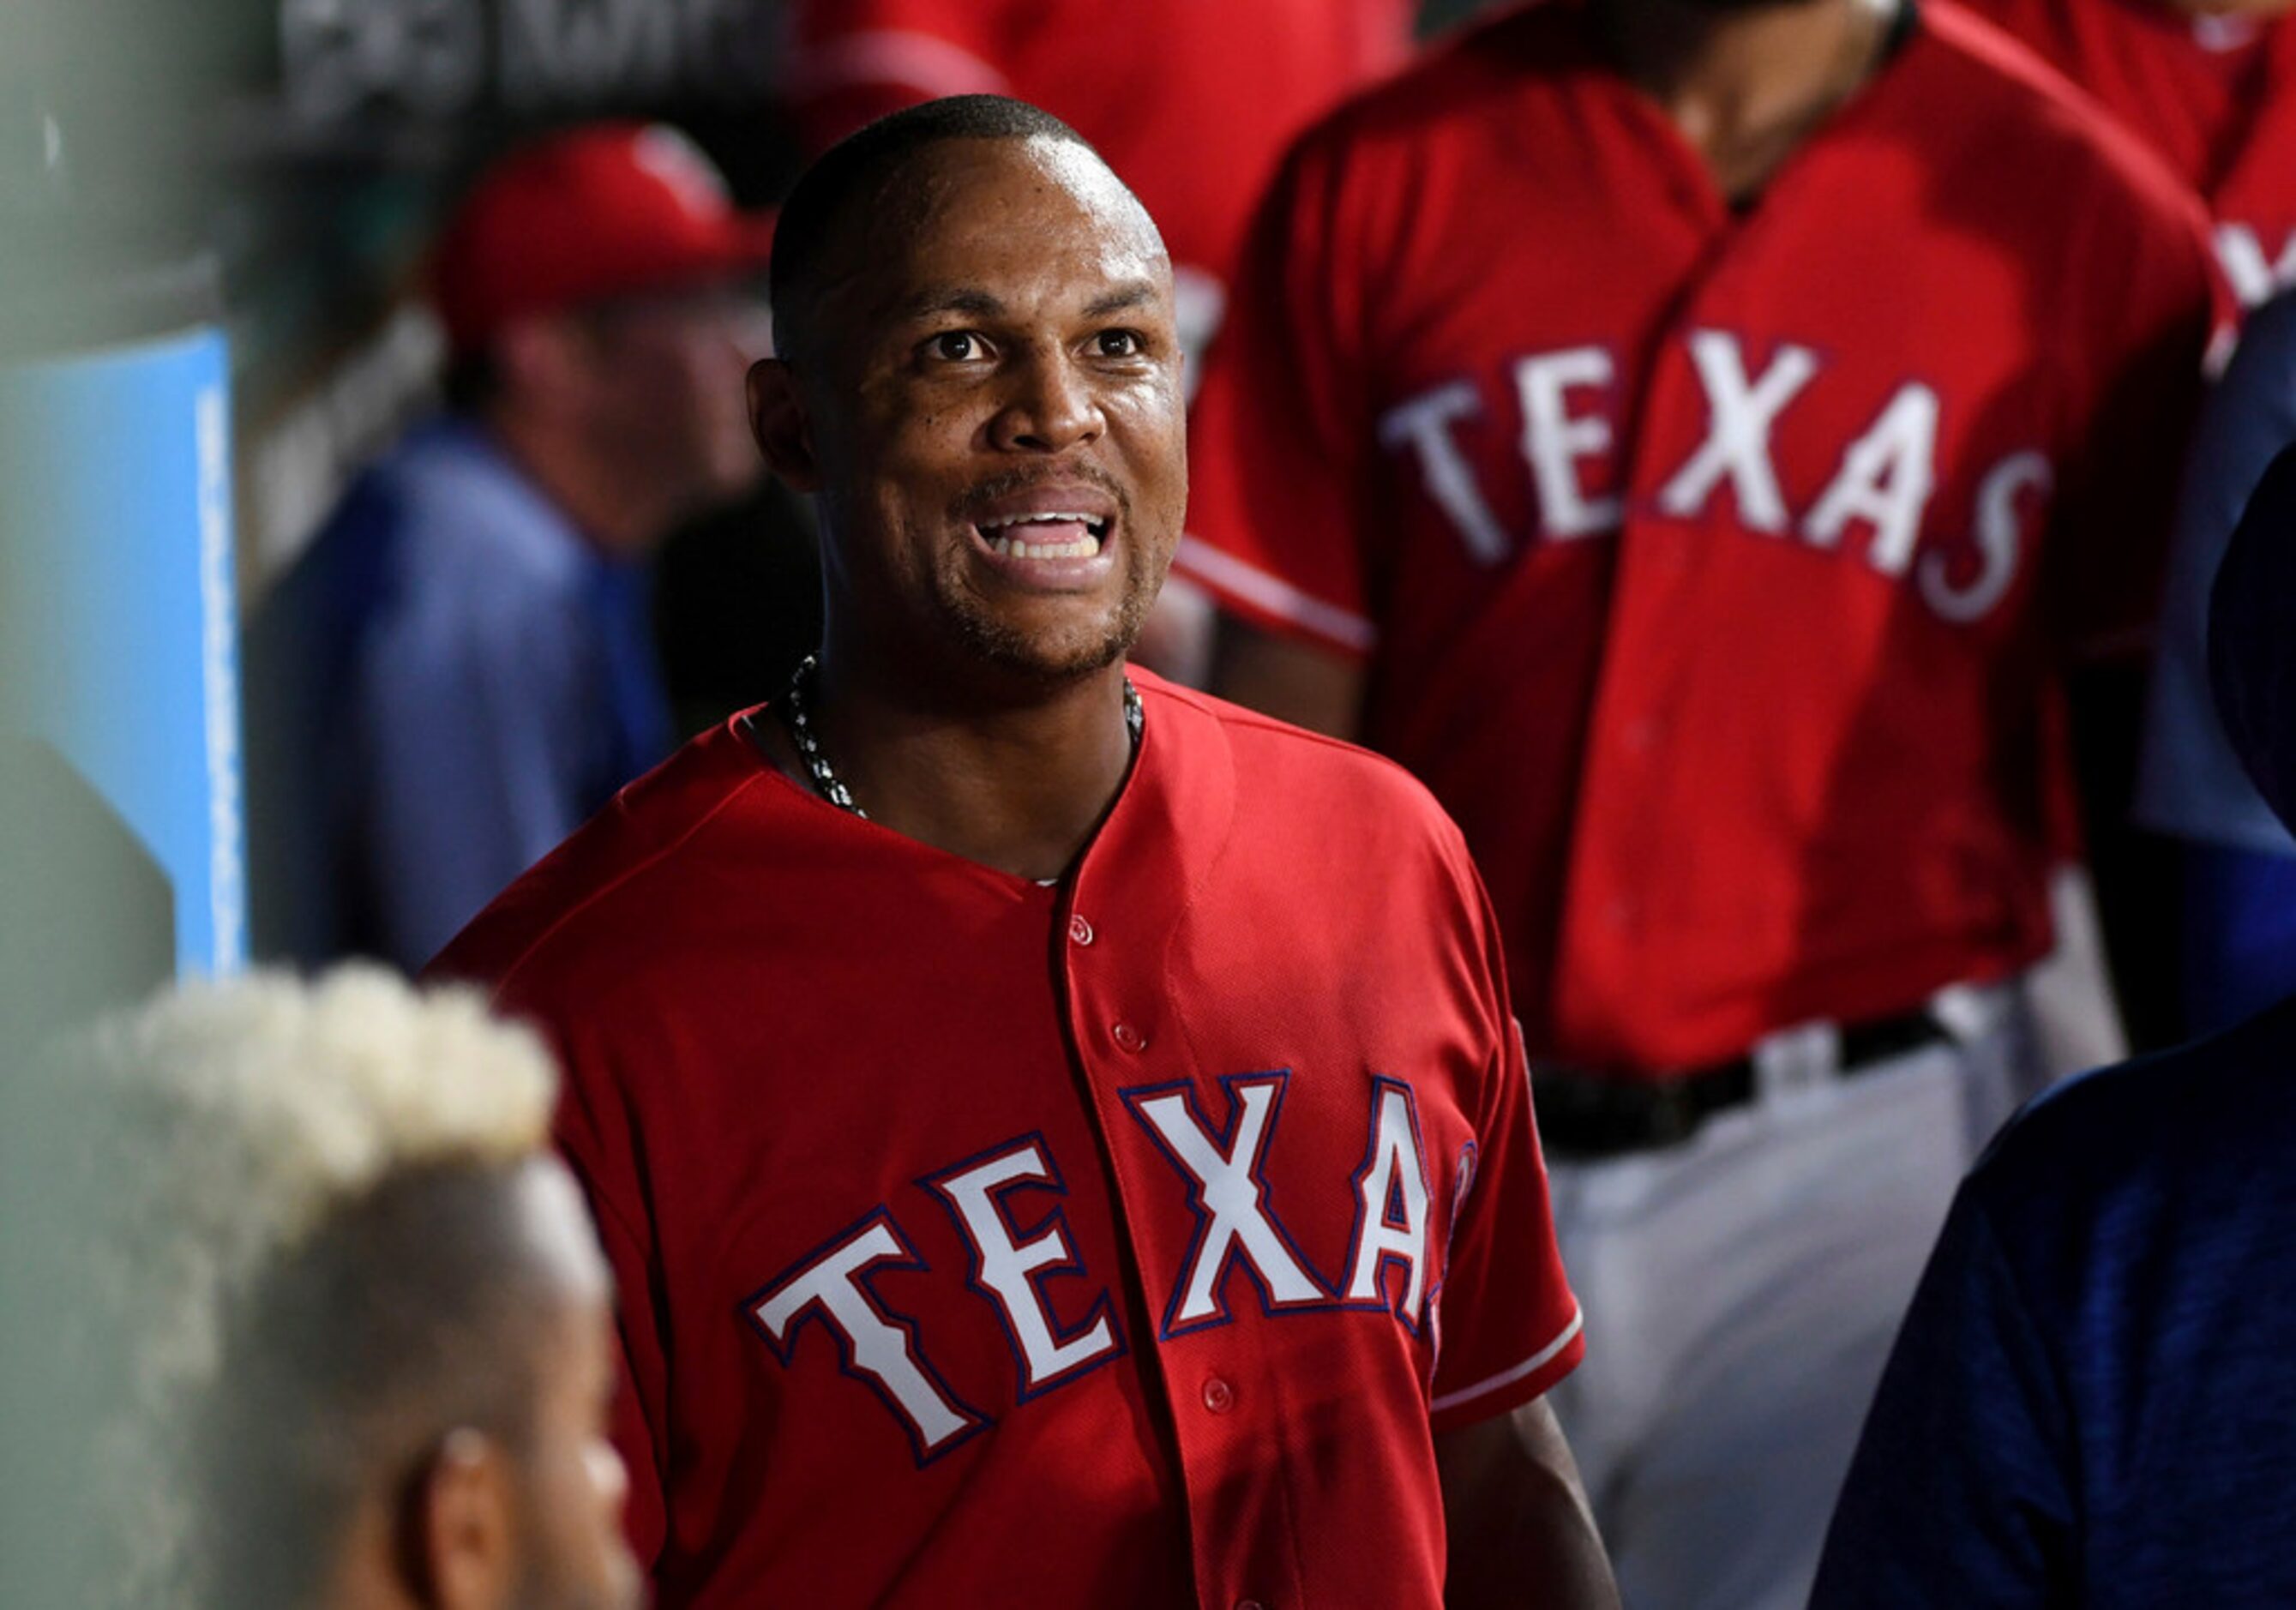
[(1052, 535)]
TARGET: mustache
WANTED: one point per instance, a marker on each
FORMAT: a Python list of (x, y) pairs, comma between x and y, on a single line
[(1006, 482)]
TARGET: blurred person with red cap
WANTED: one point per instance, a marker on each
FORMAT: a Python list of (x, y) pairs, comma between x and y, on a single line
[(461, 669)]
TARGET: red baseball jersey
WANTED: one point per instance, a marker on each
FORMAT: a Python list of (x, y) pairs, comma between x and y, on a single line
[(1117, 1243), (1713, 566), (1190, 102), (2214, 94)]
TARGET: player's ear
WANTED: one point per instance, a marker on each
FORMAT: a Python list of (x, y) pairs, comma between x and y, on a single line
[(459, 1531), (777, 420)]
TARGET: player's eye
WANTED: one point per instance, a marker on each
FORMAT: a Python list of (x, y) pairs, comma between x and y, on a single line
[(1119, 343), (957, 346)]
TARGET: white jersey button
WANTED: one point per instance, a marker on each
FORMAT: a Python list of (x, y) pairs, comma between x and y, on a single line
[(1219, 1397), (1079, 930), (1247, 1604), (1128, 1038)]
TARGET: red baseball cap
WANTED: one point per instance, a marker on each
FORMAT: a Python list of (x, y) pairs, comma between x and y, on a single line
[(605, 211)]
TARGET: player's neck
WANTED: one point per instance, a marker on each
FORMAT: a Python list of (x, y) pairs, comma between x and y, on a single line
[(1018, 784), (364, 1574), (1746, 84)]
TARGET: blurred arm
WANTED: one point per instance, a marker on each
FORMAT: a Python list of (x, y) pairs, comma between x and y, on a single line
[(2144, 379), (1520, 1529)]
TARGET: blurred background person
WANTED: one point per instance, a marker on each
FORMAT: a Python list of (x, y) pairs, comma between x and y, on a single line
[(2091, 1402), (342, 1328), (1190, 102), (1702, 441), (2234, 943), (461, 667), (2211, 84)]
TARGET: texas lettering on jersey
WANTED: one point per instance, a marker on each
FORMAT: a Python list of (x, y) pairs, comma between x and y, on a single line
[(1641, 507), (1388, 1266), (1038, 1244), (1885, 476)]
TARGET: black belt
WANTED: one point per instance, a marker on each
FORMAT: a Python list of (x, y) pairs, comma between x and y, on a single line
[(1584, 1114)]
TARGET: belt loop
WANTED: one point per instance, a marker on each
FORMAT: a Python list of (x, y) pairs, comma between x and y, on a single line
[(1968, 1013), (1799, 1058)]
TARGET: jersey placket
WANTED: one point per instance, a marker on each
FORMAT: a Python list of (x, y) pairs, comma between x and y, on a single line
[(1632, 869), (1616, 821), (1121, 914)]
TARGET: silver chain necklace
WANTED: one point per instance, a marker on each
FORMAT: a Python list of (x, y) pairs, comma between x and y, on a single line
[(825, 780)]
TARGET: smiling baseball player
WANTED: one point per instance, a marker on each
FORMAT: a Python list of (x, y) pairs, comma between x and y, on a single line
[(1064, 1141)]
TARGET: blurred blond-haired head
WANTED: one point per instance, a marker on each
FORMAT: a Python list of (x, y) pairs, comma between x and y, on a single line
[(344, 1283)]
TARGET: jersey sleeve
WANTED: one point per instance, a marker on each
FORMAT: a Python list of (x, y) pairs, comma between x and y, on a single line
[(638, 1413), (1279, 432), (594, 1135), (2140, 344), (2189, 782), (1508, 1326), (1959, 1492)]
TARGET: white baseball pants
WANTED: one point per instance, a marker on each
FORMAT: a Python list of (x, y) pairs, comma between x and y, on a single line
[(1741, 1292)]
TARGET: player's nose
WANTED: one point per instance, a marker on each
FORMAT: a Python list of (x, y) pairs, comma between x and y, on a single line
[(1050, 408)]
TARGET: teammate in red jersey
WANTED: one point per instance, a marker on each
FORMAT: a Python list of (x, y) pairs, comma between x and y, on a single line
[(1693, 439), (1064, 1144), (2212, 86)]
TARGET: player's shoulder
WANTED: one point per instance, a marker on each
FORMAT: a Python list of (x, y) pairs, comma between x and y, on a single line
[(2218, 1108), (1485, 70), (2000, 86), (592, 908), (1285, 773)]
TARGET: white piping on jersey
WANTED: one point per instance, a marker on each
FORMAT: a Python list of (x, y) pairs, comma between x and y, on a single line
[(1452, 1399), (891, 55), (1277, 596)]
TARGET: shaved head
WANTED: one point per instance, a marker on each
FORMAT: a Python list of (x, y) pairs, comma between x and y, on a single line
[(875, 187), (426, 1307)]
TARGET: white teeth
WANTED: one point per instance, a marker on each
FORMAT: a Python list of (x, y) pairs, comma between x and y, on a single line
[(1083, 548), (998, 525), (1016, 547)]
